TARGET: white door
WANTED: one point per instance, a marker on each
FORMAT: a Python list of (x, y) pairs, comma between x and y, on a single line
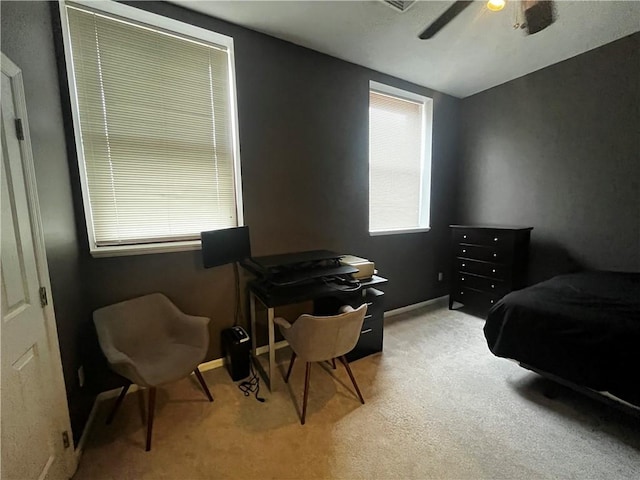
[(34, 414)]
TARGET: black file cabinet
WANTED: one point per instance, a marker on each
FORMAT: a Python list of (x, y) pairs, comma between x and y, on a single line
[(488, 263), (371, 335)]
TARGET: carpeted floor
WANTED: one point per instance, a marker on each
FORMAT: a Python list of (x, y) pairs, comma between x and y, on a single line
[(439, 405)]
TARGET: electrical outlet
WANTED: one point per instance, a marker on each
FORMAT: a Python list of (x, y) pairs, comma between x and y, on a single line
[(440, 276), (81, 376)]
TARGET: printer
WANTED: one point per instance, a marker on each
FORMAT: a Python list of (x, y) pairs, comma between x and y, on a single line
[(366, 268)]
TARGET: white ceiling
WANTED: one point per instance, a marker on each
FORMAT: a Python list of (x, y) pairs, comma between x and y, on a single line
[(479, 49)]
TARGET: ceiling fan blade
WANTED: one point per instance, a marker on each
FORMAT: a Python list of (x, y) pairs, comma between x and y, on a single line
[(451, 13)]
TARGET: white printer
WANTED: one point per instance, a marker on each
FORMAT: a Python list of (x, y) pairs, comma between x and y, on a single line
[(366, 268)]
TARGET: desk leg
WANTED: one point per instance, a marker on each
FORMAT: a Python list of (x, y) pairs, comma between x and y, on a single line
[(268, 378), (254, 335), (272, 351)]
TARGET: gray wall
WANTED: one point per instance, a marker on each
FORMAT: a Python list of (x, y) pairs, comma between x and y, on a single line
[(27, 40), (559, 150), (304, 140)]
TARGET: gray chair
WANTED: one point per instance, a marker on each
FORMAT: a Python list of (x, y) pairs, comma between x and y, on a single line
[(150, 342), (319, 339)]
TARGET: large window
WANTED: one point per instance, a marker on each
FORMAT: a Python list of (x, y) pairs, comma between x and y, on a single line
[(155, 121), (399, 160)]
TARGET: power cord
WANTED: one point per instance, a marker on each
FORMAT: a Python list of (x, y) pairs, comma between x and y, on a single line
[(252, 385)]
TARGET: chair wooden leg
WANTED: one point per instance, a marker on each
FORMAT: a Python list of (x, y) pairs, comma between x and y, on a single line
[(343, 359), (203, 384), (115, 408), (333, 363), (293, 359), (152, 406), (306, 392)]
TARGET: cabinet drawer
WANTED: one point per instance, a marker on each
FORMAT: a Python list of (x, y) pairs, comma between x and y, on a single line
[(371, 337), (475, 298), (486, 269), (494, 253), (483, 237), (330, 305), (490, 285)]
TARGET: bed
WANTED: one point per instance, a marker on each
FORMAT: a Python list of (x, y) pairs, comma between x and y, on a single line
[(580, 328)]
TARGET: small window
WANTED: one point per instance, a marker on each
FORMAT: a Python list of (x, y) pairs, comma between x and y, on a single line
[(154, 112), (399, 160)]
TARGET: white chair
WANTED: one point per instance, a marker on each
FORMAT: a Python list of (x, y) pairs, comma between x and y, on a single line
[(150, 342), (319, 339)]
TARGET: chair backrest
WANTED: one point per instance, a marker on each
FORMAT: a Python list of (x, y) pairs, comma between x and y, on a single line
[(132, 325), (315, 338)]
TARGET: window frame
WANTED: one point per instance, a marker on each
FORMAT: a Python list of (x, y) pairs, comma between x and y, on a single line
[(424, 207), (177, 29)]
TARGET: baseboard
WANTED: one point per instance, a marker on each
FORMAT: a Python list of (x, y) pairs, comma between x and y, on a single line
[(87, 428), (415, 306), (265, 349), (109, 394), (211, 365)]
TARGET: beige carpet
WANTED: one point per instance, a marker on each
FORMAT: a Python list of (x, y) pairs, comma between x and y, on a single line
[(439, 405)]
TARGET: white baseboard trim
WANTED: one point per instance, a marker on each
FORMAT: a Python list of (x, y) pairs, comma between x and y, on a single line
[(85, 433), (415, 306), (278, 345), (211, 365), (109, 394)]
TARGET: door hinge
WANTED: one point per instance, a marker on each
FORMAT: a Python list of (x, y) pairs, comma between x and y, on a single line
[(65, 439), (19, 129), (44, 301)]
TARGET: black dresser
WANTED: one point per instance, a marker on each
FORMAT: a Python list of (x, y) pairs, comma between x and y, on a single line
[(489, 261)]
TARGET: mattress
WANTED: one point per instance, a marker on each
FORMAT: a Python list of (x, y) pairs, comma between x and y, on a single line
[(582, 327)]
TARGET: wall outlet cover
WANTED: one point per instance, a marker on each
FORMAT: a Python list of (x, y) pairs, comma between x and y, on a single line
[(81, 376)]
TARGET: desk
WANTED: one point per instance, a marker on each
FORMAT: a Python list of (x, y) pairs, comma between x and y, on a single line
[(274, 296)]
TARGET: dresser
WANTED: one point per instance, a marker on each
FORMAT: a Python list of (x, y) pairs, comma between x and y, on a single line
[(488, 262)]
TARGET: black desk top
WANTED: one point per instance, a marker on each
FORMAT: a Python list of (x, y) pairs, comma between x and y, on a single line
[(275, 296), (286, 259)]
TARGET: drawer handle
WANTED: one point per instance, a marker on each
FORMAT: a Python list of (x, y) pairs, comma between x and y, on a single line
[(495, 255), (493, 286), (495, 239), (367, 316), (462, 279), (461, 293), (464, 264), (464, 251), (464, 236), (491, 301), (493, 270), (368, 330)]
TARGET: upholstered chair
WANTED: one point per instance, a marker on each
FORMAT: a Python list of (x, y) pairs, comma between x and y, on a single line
[(150, 342), (319, 339)]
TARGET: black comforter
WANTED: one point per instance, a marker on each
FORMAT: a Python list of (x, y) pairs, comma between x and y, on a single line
[(583, 327)]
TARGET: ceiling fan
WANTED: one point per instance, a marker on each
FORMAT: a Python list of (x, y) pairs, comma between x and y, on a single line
[(538, 15)]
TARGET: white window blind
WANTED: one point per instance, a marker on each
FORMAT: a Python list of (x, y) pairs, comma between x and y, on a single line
[(156, 127), (396, 163)]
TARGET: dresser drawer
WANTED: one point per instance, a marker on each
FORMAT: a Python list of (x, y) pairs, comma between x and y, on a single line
[(490, 285), (486, 269), (488, 261), (492, 238), (494, 253), (475, 298)]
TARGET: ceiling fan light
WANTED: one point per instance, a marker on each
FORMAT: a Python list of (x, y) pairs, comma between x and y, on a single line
[(496, 5)]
